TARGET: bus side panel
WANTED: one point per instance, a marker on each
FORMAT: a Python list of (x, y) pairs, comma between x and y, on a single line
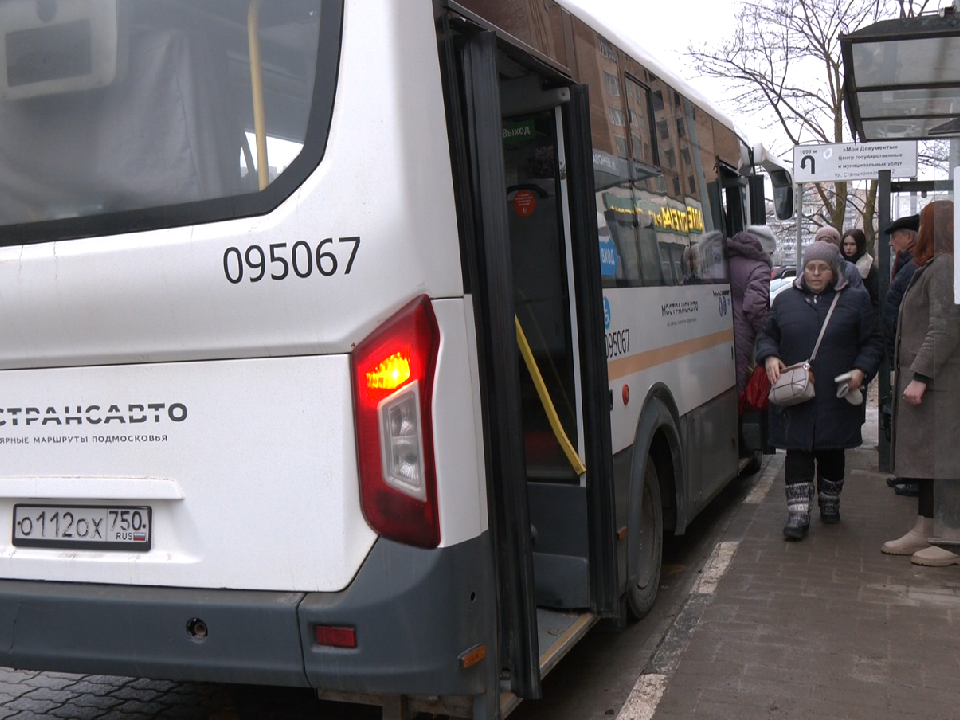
[(681, 337), (458, 439)]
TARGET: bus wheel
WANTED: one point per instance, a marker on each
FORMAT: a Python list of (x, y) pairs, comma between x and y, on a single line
[(756, 462), (640, 597)]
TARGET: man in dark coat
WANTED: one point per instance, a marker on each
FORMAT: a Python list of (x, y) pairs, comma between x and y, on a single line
[(903, 237), (815, 433)]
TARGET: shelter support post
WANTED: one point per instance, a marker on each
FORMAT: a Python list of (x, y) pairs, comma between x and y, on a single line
[(799, 216), (884, 260), (954, 157)]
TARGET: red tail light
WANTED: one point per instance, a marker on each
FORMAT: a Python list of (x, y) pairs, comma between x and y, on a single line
[(339, 637), (393, 371)]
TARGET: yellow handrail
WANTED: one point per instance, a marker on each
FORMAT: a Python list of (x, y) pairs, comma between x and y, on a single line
[(256, 81), (547, 403)]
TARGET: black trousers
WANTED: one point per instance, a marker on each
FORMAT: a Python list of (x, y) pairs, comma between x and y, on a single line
[(802, 466), (925, 498)]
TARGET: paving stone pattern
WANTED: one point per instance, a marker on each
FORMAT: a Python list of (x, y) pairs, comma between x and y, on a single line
[(825, 628), (27, 695)]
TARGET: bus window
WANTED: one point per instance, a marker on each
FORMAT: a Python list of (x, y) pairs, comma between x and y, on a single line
[(176, 122), (712, 259), (638, 104), (663, 115), (617, 219), (690, 183), (649, 254), (610, 268)]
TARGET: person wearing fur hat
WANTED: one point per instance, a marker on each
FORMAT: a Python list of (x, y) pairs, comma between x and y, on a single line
[(815, 433), (832, 236)]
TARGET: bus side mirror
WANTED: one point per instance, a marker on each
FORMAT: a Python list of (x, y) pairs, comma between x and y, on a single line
[(782, 194)]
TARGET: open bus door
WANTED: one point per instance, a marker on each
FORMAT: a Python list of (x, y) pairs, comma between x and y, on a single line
[(736, 203), (535, 500), (492, 285)]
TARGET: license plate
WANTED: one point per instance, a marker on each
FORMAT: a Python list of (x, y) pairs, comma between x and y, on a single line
[(82, 527)]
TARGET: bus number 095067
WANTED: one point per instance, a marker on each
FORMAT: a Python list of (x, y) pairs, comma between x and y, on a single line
[(301, 259)]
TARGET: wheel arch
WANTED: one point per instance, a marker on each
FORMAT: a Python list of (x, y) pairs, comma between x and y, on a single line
[(658, 437)]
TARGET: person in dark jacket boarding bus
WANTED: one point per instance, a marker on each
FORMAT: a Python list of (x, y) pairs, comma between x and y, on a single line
[(816, 432), (750, 293), (926, 401)]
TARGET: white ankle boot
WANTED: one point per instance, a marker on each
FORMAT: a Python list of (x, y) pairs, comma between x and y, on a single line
[(935, 556), (913, 541)]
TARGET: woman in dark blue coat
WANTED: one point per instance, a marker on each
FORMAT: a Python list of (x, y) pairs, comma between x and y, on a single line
[(815, 433)]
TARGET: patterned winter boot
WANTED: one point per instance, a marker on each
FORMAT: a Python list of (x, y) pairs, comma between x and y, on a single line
[(830, 500), (798, 509)]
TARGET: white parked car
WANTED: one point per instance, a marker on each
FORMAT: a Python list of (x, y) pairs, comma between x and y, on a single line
[(777, 285)]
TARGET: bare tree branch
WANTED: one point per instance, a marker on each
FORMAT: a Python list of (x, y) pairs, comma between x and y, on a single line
[(783, 63)]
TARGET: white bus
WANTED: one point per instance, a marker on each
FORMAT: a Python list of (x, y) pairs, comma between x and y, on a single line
[(276, 281)]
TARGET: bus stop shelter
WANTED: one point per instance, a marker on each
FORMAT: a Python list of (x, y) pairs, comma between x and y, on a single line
[(902, 82)]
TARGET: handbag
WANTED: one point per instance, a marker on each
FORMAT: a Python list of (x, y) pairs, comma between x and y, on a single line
[(795, 384), (756, 394)]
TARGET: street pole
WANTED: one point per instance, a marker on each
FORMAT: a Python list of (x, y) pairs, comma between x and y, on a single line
[(883, 259), (796, 261)]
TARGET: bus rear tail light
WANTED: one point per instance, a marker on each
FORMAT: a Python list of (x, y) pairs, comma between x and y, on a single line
[(393, 373)]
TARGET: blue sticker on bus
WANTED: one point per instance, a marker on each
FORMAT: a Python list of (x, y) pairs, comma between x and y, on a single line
[(606, 314), (608, 257)]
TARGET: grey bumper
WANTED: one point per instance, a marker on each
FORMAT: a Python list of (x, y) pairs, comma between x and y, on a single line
[(415, 611)]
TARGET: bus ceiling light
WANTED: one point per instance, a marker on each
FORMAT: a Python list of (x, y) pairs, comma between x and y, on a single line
[(393, 374)]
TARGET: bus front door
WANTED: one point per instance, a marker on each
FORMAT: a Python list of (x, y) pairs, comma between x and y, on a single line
[(535, 280)]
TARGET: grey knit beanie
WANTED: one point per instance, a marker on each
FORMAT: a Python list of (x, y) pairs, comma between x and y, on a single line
[(826, 252), (829, 234)]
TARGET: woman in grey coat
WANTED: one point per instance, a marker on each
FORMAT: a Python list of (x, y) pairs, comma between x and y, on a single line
[(926, 410)]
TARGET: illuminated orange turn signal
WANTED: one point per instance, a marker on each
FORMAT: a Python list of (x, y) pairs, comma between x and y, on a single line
[(390, 374)]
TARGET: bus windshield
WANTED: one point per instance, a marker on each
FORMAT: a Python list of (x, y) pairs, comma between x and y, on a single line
[(116, 105)]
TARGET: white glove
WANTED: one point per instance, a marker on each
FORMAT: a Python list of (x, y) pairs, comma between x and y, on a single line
[(843, 390)]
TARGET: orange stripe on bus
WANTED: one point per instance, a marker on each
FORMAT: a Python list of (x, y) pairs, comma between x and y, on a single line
[(622, 367)]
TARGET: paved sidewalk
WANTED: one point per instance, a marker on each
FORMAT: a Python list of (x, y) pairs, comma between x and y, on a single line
[(828, 627)]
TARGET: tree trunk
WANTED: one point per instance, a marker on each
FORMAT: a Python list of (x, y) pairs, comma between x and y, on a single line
[(839, 210)]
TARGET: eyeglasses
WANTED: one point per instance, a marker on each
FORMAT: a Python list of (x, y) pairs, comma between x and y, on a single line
[(818, 269)]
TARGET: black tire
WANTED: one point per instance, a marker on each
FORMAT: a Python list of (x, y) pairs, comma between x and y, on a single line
[(642, 595), (756, 462)]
